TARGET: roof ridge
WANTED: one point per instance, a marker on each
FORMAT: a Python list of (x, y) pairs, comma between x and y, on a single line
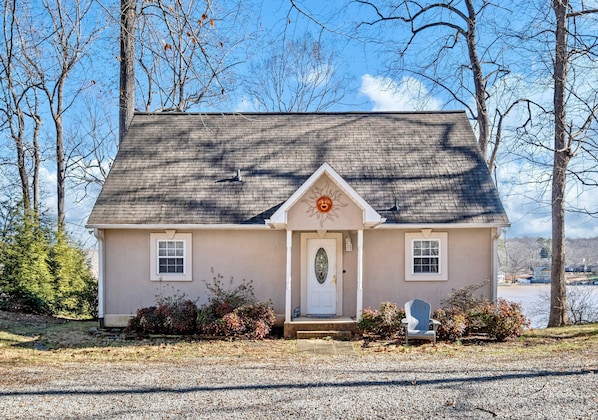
[(232, 113)]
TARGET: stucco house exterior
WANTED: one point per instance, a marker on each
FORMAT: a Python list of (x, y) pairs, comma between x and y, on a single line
[(327, 213)]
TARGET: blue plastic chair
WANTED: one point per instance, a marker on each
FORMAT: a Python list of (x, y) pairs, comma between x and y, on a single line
[(417, 321)]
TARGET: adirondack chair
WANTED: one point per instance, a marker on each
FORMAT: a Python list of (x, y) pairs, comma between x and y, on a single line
[(417, 321)]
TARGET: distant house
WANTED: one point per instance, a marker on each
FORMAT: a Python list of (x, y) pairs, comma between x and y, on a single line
[(326, 212), (541, 274)]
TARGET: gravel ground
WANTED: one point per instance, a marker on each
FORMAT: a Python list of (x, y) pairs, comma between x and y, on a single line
[(306, 386)]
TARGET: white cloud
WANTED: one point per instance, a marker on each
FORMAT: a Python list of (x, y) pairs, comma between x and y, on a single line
[(526, 194), (388, 95), (245, 105)]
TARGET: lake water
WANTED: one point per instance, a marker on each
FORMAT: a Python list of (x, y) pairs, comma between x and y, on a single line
[(535, 300)]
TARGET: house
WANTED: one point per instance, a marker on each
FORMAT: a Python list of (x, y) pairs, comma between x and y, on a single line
[(329, 213), (542, 274)]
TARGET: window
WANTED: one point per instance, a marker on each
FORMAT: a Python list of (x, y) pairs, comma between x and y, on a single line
[(426, 256), (171, 255)]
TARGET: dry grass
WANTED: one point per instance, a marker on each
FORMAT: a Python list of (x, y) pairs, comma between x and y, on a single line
[(29, 339)]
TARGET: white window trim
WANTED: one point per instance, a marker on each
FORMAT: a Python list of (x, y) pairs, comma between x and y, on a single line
[(187, 274), (442, 275)]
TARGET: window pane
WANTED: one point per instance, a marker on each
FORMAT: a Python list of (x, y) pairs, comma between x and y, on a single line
[(170, 257), (425, 265)]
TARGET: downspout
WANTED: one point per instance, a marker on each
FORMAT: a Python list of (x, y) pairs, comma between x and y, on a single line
[(495, 235), (99, 235)]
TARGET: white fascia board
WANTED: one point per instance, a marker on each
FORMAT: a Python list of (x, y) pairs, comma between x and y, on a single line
[(442, 225), (179, 227), (370, 216)]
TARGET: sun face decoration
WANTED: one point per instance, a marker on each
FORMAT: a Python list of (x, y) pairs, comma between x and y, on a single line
[(323, 203)]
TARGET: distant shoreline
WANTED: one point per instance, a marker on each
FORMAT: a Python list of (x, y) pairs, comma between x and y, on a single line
[(539, 284)]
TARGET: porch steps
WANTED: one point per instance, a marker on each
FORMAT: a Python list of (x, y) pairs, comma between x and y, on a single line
[(337, 328), (335, 335)]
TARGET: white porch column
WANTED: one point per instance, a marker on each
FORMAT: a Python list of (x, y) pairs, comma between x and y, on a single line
[(287, 305), (359, 273)]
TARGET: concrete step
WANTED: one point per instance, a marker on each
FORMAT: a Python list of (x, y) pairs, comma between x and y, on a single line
[(335, 335)]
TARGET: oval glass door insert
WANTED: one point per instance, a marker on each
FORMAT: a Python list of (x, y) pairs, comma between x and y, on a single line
[(321, 265)]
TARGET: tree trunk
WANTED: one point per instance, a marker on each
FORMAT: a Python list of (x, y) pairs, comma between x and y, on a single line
[(36, 161), (128, 15), (19, 144), (558, 292), (478, 80)]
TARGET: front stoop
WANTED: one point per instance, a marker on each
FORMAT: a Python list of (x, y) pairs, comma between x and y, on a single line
[(337, 328)]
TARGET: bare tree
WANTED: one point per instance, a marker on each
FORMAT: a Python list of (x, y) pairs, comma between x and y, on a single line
[(569, 135), (92, 150), (53, 59), (300, 75), (454, 48), (186, 51), (20, 102), (450, 24), (128, 16), (519, 255)]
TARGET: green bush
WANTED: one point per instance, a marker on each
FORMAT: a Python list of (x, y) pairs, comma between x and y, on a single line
[(383, 323), (75, 287), (24, 301), (44, 271)]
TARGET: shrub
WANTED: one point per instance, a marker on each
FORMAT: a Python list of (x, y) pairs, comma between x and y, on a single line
[(466, 313), (171, 315), (25, 301), (226, 299), (465, 298), (504, 319), (75, 287), (383, 323), (148, 321), (44, 271), (258, 319), (453, 324), (234, 311)]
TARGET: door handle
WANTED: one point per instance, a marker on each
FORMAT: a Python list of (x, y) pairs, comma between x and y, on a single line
[(334, 279)]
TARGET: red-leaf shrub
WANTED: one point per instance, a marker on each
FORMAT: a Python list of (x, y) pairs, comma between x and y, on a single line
[(171, 315), (234, 312), (384, 323), (504, 319), (453, 324)]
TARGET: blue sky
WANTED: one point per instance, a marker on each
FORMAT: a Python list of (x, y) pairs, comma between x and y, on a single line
[(371, 88)]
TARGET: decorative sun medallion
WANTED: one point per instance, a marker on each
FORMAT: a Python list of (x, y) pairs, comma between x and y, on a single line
[(323, 203)]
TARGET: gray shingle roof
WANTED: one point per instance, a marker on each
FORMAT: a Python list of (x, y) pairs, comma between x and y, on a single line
[(178, 168)]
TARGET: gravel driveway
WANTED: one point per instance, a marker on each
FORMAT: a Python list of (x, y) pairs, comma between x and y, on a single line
[(307, 386)]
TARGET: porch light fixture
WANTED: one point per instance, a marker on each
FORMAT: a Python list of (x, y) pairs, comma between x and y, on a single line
[(348, 244)]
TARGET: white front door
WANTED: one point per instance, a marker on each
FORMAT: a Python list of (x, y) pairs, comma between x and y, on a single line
[(321, 276)]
